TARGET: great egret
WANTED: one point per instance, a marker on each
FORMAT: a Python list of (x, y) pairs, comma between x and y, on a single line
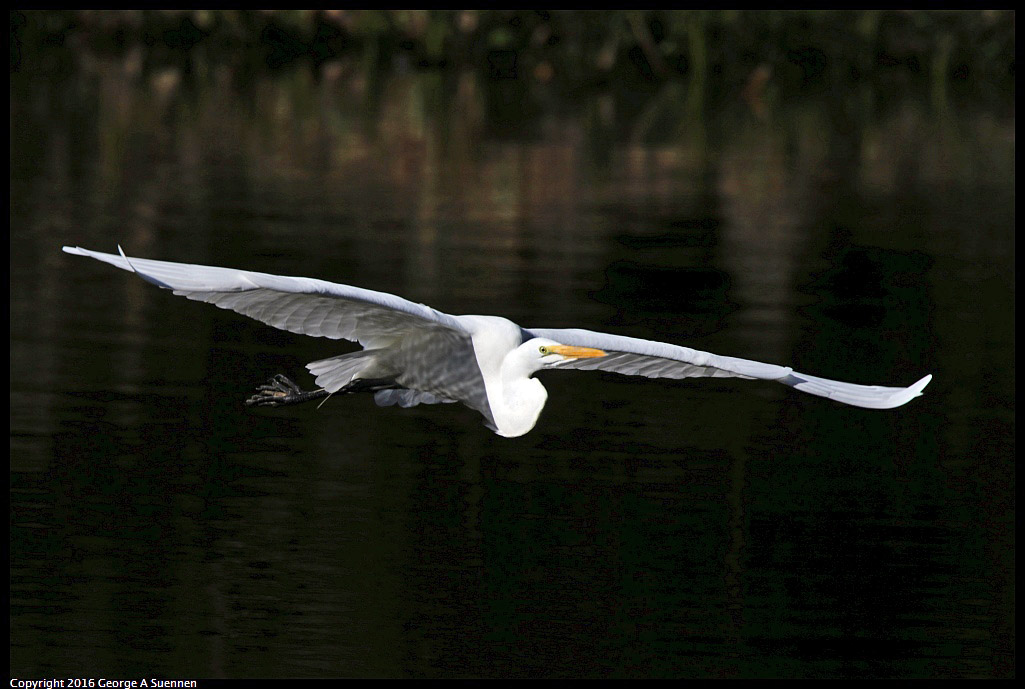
[(413, 354)]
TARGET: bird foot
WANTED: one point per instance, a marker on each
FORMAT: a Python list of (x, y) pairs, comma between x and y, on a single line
[(281, 390)]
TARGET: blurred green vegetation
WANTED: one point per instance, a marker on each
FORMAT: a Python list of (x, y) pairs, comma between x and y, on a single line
[(713, 55)]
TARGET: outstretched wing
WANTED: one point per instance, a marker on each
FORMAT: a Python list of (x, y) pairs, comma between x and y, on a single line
[(299, 305), (636, 357), (428, 352)]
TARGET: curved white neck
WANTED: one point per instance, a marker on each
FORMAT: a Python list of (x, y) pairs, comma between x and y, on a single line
[(519, 400), (515, 399)]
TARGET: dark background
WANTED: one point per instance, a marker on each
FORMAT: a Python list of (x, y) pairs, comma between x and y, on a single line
[(828, 190)]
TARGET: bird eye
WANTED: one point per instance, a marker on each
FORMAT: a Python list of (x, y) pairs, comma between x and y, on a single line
[(543, 349)]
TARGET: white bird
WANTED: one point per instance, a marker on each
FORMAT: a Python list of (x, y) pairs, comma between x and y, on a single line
[(413, 354)]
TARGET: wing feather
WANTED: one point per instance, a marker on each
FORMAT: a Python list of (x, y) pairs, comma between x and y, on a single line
[(428, 352), (637, 357), (300, 305)]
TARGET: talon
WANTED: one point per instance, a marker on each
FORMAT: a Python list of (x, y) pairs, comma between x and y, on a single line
[(282, 380), (265, 400), (281, 390)]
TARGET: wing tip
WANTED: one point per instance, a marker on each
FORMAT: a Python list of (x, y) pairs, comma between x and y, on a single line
[(864, 396), (122, 261), (902, 397), (920, 385)]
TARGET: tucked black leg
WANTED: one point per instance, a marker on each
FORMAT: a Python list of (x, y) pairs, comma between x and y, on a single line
[(371, 385), (280, 390)]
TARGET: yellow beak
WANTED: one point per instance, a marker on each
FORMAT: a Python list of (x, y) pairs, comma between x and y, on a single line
[(576, 352)]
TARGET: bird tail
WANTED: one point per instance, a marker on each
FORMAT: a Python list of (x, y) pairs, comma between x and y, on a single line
[(338, 371)]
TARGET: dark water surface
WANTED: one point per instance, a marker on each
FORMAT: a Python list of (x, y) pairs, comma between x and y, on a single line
[(644, 528)]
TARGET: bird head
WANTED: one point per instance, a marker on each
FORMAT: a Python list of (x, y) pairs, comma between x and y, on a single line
[(550, 354)]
